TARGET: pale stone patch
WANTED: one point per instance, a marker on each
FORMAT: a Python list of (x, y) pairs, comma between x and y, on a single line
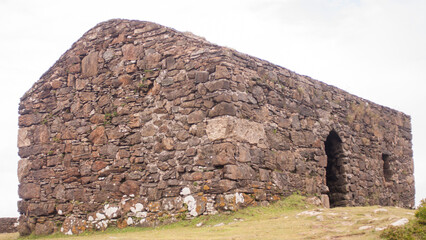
[(141, 214), (185, 191), (192, 205), (24, 167), (102, 224), (239, 198), (400, 222), (364, 227), (110, 212), (137, 208), (229, 197), (309, 213), (379, 229), (23, 140), (314, 201), (100, 216), (218, 128), (129, 221), (380, 210), (219, 225), (210, 209), (226, 127)]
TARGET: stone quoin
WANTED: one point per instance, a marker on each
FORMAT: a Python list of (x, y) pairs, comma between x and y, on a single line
[(138, 124)]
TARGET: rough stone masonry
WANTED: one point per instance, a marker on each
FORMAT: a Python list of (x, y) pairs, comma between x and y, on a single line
[(138, 124)]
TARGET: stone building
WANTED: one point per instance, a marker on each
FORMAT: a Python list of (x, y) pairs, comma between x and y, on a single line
[(139, 124)]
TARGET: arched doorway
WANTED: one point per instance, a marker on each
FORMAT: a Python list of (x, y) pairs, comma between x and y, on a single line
[(334, 172)]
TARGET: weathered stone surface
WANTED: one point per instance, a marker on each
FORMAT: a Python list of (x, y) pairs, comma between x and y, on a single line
[(125, 79), (109, 150), (167, 81), (234, 128), (264, 175), (224, 154), (148, 130), (59, 192), (217, 85), (168, 144), (222, 186), (97, 118), (223, 109), (28, 120), (41, 134), (73, 225), (201, 76), (99, 165), (87, 96), (24, 166), (98, 136), (108, 55), (29, 191), (68, 134), (41, 209), (23, 138), (242, 172), (132, 52), (258, 94), (325, 201), (8, 225), (24, 227), (138, 122), (80, 84), (129, 187), (196, 117), (222, 72), (44, 228), (89, 65)]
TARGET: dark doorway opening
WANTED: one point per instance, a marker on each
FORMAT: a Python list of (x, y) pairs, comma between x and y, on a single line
[(334, 172)]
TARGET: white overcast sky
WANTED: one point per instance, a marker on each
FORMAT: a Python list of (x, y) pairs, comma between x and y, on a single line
[(375, 49)]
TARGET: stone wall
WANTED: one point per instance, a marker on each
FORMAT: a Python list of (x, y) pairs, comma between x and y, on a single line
[(138, 124), (8, 225)]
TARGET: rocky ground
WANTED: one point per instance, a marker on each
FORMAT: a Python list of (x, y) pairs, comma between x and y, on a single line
[(274, 222)]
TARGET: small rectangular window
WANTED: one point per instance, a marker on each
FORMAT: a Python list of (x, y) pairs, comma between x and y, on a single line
[(387, 170)]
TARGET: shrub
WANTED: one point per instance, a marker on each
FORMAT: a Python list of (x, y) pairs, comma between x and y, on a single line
[(397, 233), (414, 230), (421, 212)]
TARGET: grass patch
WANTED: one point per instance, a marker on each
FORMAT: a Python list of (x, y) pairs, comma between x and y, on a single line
[(293, 202)]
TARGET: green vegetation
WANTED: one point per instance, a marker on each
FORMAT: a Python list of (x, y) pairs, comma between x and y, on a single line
[(421, 212), (109, 117), (47, 118), (415, 229)]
